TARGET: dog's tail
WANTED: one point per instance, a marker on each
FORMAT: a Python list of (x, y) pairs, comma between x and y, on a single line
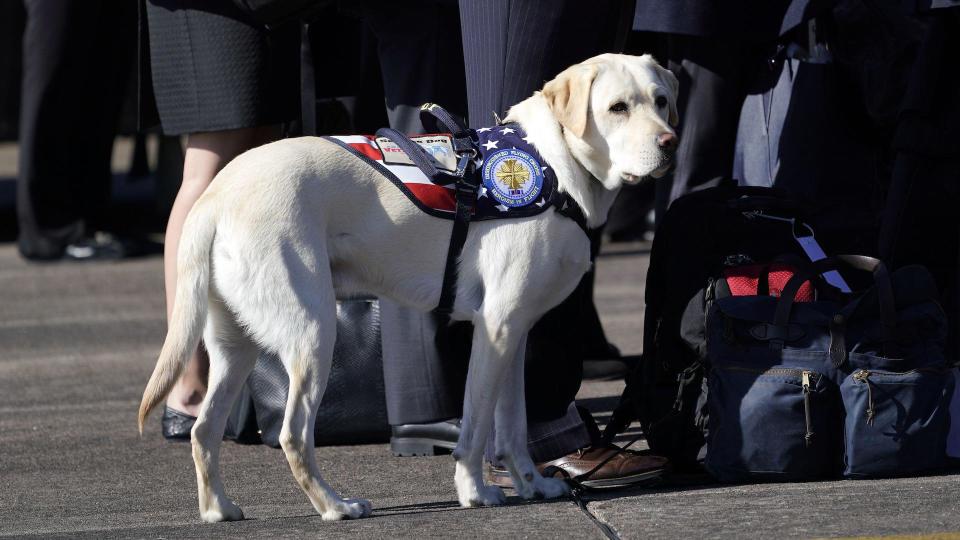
[(189, 308)]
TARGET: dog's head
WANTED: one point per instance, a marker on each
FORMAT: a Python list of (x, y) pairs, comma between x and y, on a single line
[(617, 113)]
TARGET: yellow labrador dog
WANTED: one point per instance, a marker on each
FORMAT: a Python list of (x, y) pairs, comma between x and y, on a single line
[(286, 229)]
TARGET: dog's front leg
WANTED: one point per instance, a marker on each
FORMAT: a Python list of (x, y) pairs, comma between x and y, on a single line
[(495, 344), (511, 437)]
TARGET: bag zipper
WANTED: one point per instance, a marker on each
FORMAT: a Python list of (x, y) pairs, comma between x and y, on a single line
[(805, 384), (807, 378), (863, 376), (772, 371)]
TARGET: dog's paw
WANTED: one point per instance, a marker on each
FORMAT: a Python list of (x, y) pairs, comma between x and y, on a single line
[(223, 510), (550, 488), (534, 486), (348, 509), (484, 496)]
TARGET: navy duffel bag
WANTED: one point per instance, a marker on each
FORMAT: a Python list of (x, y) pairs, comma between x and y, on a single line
[(857, 384)]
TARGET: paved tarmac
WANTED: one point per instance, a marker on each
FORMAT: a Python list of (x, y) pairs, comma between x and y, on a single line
[(77, 342)]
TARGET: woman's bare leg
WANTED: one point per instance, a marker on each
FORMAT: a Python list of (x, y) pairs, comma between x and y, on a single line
[(205, 155)]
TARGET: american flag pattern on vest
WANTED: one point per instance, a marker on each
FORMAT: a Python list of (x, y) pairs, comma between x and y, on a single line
[(515, 180)]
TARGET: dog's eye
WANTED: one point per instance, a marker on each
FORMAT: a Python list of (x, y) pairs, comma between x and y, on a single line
[(618, 107), (660, 102)]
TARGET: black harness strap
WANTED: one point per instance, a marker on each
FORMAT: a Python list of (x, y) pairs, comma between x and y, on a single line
[(572, 210), (467, 187), (437, 119)]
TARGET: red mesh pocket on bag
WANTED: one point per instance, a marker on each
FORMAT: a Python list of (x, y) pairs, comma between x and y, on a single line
[(745, 281)]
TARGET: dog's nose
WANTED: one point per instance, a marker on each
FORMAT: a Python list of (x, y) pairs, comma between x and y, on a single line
[(667, 141)]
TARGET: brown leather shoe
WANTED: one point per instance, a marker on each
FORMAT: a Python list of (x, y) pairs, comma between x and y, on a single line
[(626, 468)]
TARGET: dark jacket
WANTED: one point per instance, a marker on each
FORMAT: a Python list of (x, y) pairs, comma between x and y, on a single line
[(753, 20)]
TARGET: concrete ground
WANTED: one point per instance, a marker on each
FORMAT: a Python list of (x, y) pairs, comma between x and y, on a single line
[(78, 341)]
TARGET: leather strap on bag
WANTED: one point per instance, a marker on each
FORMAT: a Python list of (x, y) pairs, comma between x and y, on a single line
[(881, 278)]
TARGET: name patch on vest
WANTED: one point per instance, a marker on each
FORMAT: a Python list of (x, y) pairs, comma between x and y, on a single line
[(512, 177), (438, 147)]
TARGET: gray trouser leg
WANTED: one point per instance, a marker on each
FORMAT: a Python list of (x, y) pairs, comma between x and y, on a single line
[(418, 383)]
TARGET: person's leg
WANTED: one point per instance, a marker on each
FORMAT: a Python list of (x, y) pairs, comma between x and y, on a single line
[(205, 155), (420, 61), (712, 75), (421, 386), (73, 77)]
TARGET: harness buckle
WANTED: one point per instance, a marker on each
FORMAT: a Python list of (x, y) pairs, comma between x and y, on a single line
[(466, 159)]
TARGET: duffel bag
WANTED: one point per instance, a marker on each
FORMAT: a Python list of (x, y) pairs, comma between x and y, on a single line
[(856, 384)]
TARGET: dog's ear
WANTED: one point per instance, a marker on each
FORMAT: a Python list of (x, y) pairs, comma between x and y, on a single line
[(672, 84), (569, 96)]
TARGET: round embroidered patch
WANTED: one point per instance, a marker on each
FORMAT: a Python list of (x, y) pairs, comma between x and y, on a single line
[(512, 177)]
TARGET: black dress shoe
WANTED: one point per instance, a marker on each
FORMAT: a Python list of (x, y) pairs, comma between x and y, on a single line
[(99, 247), (176, 425), (425, 439)]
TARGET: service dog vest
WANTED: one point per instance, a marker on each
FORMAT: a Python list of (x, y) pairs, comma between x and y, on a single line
[(514, 179)]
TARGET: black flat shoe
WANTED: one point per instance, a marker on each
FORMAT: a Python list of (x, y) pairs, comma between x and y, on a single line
[(425, 439), (176, 425)]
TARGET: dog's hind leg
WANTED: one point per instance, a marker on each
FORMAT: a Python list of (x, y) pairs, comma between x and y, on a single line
[(511, 437), (496, 341), (232, 357), (307, 359)]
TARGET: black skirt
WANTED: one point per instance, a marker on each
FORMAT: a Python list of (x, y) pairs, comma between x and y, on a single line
[(213, 69)]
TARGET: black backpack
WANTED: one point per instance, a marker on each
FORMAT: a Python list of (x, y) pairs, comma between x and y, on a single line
[(699, 236)]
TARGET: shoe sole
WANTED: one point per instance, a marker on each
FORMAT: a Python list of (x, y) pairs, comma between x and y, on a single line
[(645, 478), (412, 447), (649, 477)]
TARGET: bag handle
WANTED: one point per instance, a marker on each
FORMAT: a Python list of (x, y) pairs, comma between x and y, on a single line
[(881, 278)]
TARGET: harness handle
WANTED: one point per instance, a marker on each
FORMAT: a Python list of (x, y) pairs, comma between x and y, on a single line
[(436, 119), (417, 155)]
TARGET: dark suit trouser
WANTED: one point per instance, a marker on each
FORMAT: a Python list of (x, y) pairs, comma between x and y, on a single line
[(713, 74), (418, 45), (920, 224), (76, 57), (511, 47), (421, 61)]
